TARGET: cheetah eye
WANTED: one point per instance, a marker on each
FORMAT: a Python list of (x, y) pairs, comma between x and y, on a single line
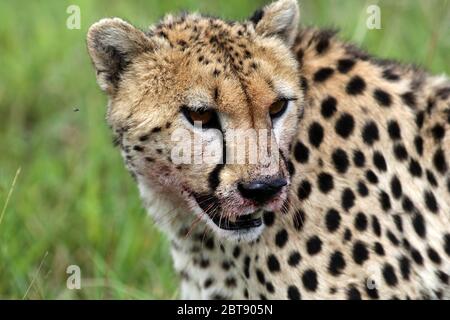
[(277, 108), (207, 117)]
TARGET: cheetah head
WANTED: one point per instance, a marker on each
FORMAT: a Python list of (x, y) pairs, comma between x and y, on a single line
[(192, 98)]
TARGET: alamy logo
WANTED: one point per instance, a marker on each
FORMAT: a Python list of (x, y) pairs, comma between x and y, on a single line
[(374, 19), (236, 146), (74, 280), (74, 19)]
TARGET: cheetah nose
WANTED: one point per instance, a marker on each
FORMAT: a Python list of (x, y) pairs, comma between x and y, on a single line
[(261, 191)]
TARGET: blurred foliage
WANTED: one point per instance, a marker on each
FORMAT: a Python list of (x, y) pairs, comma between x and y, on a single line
[(73, 203)]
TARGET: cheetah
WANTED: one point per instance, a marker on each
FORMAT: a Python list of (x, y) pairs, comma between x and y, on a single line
[(357, 206)]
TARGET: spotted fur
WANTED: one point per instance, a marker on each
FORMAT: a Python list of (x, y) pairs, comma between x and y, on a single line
[(365, 149)]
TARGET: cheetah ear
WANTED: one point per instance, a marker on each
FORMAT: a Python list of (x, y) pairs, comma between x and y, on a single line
[(112, 44), (280, 18)]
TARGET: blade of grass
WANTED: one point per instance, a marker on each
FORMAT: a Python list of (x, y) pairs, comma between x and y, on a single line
[(9, 194), (35, 275)]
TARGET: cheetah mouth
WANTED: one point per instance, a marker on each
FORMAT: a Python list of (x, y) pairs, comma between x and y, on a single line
[(247, 221), (213, 211)]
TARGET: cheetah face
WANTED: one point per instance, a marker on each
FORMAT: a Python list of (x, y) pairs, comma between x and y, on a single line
[(205, 110)]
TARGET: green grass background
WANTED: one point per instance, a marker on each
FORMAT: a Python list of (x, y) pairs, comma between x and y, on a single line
[(73, 203)]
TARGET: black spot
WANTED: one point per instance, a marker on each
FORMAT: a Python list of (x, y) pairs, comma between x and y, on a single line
[(420, 117), (439, 161), (419, 225), (323, 74), (236, 252), (299, 219), (273, 264), (382, 97), (204, 263), (414, 168), (360, 252), (260, 276), (347, 199), (340, 160), (247, 266), (379, 161), (434, 256), (337, 263), (394, 130), (371, 177), (325, 182), (230, 282), (396, 187), (314, 245), (138, 148), (409, 99), (389, 275), (431, 202), (370, 133), (447, 244), (390, 75), (270, 288), (353, 293), (358, 158), (323, 45), (294, 258), (406, 244), (332, 220), (345, 125), (281, 238), (443, 277), (400, 152), (290, 167), (345, 65), (362, 189), (208, 282), (438, 132), (385, 201), (156, 129), (309, 279), (392, 238), (268, 218), (293, 293), (418, 143), (407, 204), (431, 178), (328, 107), (356, 85), (315, 134), (209, 243), (214, 177), (226, 265), (378, 248), (304, 190), (398, 222), (416, 256), (347, 235), (301, 152), (376, 226), (361, 221)]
